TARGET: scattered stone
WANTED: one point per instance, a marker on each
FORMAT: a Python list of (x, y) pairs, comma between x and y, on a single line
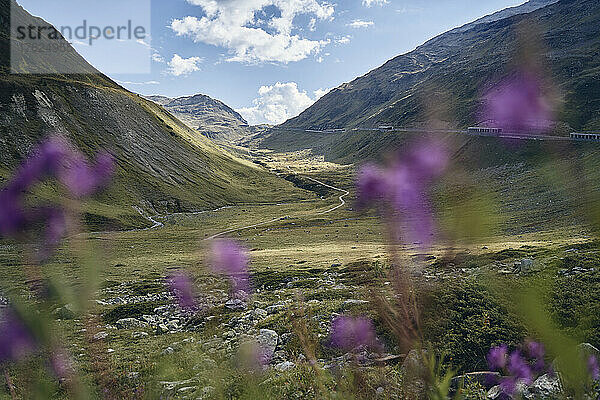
[(236, 305), (139, 335), (267, 340), (110, 350), (284, 366), (545, 387), (161, 329), (100, 335), (130, 323), (275, 308), (354, 302), (168, 350)]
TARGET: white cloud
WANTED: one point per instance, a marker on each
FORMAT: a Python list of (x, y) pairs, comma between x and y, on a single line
[(321, 92), (343, 40), (369, 3), (251, 33), (183, 66), (156, 57), (359, 23), (278, 103)]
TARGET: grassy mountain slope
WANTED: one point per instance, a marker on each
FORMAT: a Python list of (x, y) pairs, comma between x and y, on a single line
[(210, 117), (453, 68), (162, 165)]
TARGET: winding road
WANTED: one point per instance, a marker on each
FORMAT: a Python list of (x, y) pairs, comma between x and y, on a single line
[(157, 224)]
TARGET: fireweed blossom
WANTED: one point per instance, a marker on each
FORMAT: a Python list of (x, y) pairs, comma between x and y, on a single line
[(348, 333), (54, 158), (16, 340), (230, 259), (182, 289), (519, 105), (404, 187)]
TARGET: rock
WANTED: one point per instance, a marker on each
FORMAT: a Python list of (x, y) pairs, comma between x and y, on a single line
[(544, 387), (100, 335), (235, 305), (139, 335), (65, 312), (586, 350), (110, 350), (168, 350), (267, 340), (354, 302), (526, 265), (284, 366), (130, 323), (172, 326), (161, 329), (259, 313)]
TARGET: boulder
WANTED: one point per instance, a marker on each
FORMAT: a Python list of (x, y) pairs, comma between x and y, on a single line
[(236, 305), (65, 312), (544, 387), (267, 341)]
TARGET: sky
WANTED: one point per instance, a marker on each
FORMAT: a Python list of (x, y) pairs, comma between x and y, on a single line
[(267, 59)]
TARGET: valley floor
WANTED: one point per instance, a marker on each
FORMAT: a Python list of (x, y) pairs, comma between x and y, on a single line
[(310, 260)]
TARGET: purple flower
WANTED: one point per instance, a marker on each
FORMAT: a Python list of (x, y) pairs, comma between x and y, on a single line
[(593, 367), (496, 358), (16, 340), (519, 368), (53, 158), (230, 259), (82, 179), (518, 104), (508, 385), (181, 287), (12, 216), (404, 186), (371, 185), (348, 333)]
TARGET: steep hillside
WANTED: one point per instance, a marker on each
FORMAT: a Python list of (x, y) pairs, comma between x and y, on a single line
[(210, 117), (162, 165), (452, 69)]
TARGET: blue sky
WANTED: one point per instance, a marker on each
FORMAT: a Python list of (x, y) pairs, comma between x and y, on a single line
[(268, 59)]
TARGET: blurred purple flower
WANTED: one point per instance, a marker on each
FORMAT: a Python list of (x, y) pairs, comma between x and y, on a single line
[(181, 287), (82, 179), (508, 385), (12, 216), (518, 104), (536, 351), (348, 333), (593, 367), (16, 340), (53, 158), (496, 357), (404, 186), (371, 185), (519, 368), (231, 259)]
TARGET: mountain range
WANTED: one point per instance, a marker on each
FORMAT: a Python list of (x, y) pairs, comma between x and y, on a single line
[(162, 164), (443, 79), (212, 118)]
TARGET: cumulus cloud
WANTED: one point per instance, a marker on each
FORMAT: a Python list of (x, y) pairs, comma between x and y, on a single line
[(179, 66), (343, 40), (359, 23), (252, 31), (369, 3), (278, 103)]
